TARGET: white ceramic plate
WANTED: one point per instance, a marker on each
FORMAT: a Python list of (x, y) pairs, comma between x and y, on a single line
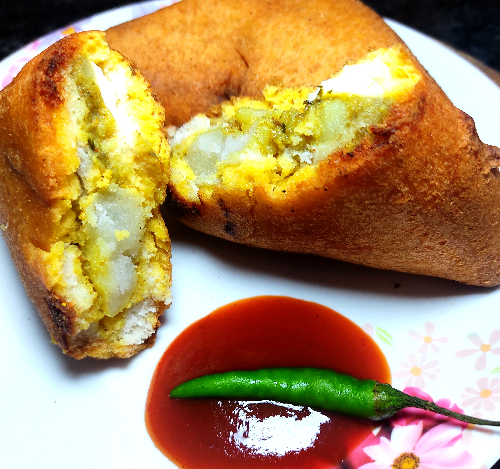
[(442, 336)]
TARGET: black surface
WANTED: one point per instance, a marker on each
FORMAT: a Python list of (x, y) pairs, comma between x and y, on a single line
[(472, 26)]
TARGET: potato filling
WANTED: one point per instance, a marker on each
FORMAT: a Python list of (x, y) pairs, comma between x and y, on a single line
[(115, 222), (282, 136), (112, 261)]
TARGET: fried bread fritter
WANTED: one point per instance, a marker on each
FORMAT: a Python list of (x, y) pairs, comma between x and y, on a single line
[(83, 169), (410, 188), (379, 170)]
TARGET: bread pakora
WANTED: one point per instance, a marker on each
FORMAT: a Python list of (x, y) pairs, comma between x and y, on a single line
[(375, 167), (83, 167)]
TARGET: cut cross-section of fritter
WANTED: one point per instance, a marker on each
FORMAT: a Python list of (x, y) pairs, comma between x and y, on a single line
[(375, 166), (83, 166), (278, 140)]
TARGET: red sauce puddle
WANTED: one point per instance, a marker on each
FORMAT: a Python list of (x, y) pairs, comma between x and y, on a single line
[(259, 332)]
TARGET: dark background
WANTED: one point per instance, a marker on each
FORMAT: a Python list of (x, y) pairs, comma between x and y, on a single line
[(470, 26)]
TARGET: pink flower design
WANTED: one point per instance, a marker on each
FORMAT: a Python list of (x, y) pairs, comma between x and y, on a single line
[(428, 340), (482, 348), (408, 448), (14, 69), (416, 369), (485, 396), (429, 419)]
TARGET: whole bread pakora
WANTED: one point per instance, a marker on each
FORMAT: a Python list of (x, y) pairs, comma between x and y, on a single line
[(315, 130), (83, 170)]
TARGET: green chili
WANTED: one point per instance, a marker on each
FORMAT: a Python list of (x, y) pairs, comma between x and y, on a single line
[(313, 387)]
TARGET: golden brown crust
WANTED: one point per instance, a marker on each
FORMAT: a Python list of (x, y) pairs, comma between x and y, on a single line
[(39, 185), (35, 173), (198, 53), (34, 104)]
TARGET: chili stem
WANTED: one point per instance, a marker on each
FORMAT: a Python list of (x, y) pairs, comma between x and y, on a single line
[(412, 401)]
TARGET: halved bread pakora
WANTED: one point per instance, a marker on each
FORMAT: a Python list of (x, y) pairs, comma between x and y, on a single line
[(83, 170), (375, 167), (411, 189)]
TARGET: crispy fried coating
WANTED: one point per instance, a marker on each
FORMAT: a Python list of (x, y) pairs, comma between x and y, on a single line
[(79, 202)]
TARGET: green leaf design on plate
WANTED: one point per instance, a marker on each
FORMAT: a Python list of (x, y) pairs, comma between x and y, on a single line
[(496, 370), (384, 336)]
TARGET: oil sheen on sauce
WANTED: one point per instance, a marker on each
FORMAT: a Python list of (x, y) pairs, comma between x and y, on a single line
[(259, 332)]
